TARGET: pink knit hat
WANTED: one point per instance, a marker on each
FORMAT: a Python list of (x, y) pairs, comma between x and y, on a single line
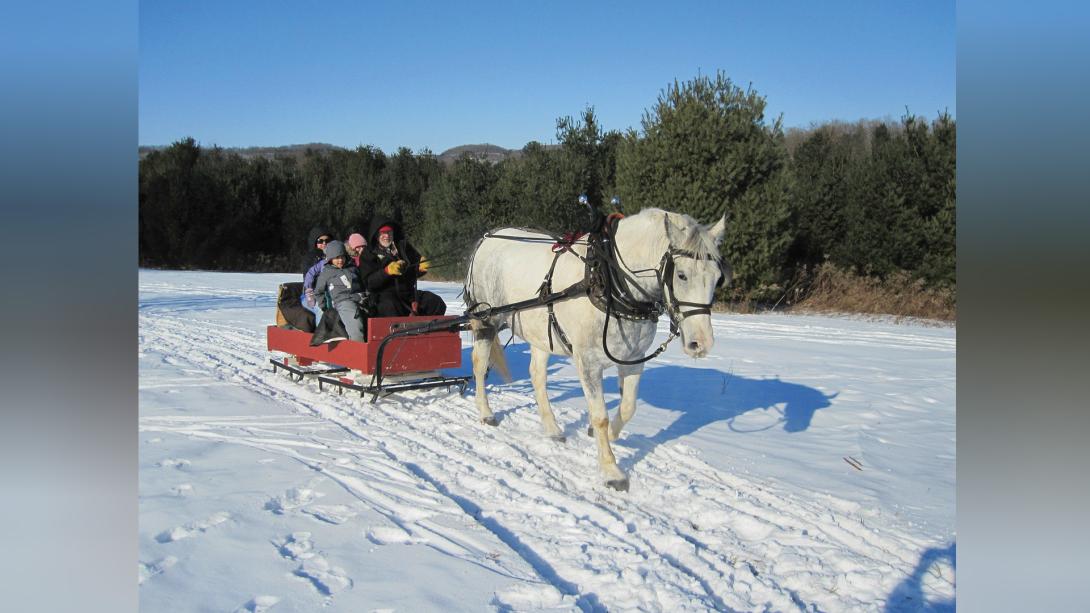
[(356, 241)]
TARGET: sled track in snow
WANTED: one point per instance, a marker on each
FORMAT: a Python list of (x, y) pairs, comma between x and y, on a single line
[(686, 537)]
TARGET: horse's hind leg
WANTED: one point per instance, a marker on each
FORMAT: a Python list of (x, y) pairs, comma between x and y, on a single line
[(591, 378), (482, 351), (539, 363), (629, 376)]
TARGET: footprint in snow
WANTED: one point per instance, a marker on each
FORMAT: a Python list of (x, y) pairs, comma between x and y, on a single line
[(292, 499), (185, 489), (313, 566), (389, 535), (258, 604), (333, 514), (147, 571), (326, 578), (172, 463), (296, 546), (193, 528)]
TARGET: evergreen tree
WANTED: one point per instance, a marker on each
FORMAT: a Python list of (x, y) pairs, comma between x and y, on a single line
[(536, 190), (705, 150), (408, 177), (939, 218), (457, 211), (588, 158), (168, 183)]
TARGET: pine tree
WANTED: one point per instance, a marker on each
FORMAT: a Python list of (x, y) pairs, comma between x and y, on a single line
[(458, 210), (706, 150)]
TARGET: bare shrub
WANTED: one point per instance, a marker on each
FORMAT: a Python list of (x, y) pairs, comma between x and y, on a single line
[(900, 294)]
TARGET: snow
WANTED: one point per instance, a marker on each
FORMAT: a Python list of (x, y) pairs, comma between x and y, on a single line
[(807, 464)]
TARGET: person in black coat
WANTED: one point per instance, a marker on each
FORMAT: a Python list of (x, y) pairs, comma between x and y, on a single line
[(389, 267), (315, 249)]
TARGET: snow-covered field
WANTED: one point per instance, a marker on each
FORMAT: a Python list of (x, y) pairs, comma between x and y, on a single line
[(807, 464)]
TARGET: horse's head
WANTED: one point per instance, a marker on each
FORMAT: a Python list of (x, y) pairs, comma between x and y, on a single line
[(692, 270)]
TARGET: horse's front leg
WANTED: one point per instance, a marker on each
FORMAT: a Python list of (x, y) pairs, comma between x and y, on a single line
[(629, 376), (591, 378), (539, 364)]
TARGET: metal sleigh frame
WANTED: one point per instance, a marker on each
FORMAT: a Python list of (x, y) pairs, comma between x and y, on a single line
[(398, 354)]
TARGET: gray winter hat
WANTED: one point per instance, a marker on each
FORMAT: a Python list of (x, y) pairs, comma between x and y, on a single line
[(334, 249)]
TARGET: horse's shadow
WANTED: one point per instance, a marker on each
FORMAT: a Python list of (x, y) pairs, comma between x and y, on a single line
[(702, 396)]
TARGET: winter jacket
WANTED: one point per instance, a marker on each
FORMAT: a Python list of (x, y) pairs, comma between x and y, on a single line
[(310, 278), (390, 289), (340, 284), (313, 261)]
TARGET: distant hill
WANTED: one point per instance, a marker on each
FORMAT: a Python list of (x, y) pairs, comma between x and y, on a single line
[(486, 152)]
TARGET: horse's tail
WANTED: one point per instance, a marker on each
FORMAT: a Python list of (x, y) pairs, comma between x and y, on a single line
[(495, 355)]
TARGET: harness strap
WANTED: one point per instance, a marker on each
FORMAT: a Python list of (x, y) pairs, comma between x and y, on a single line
[(610, 283), (543, 292)]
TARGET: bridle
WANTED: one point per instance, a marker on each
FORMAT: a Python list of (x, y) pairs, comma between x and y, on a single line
[(668, 303), (665, 275)]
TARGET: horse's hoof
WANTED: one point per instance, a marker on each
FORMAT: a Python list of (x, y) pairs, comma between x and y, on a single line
[(558, 438), (488, 421), (590, 431), (621, 485)]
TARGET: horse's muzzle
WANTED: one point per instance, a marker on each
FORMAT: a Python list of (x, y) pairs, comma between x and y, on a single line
[(696, 348)]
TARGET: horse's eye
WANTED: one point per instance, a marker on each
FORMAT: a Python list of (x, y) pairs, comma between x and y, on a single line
[(681, 275)]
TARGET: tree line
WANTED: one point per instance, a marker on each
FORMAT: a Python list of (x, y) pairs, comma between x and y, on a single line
[(873, 199)]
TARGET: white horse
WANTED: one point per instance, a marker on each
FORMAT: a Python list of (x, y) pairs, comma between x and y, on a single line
[(667, 262)]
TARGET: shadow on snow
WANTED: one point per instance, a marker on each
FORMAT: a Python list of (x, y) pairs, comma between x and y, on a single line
[(909, 595), (701, 396)]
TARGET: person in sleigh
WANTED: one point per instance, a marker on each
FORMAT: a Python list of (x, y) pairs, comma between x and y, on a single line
[(389, 267)]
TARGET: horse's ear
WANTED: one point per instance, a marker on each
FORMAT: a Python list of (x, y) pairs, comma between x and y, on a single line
[(673, 230), (719, 230)]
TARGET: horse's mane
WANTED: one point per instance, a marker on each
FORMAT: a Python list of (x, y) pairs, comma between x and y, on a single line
[(695, 238)]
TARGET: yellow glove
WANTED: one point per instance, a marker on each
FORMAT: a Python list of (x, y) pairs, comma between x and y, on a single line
[(424, 265), (394, 268)]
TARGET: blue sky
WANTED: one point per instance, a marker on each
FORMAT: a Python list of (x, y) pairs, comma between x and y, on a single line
[(440, 74)]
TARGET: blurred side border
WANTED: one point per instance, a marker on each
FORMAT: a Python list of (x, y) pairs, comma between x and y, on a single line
[(68, 114)]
